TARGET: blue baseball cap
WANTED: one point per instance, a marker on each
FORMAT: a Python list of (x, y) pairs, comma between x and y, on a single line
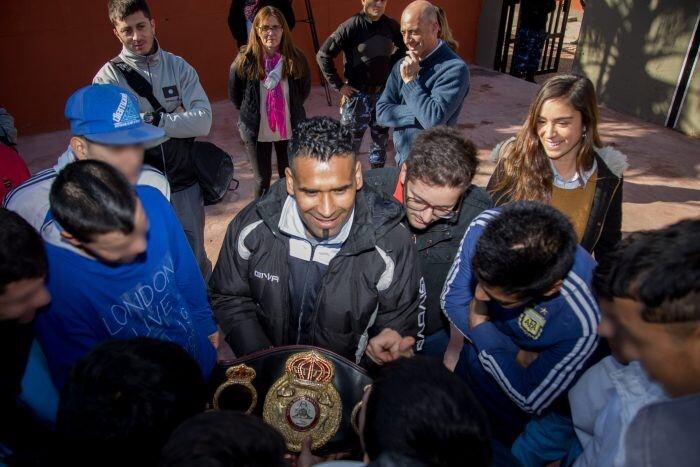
[(108, 114)]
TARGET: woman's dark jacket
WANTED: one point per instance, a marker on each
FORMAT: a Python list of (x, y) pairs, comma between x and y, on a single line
[(604, 227), (245, 95)]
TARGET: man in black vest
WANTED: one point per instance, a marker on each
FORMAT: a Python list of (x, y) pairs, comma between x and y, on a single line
[(434, 186)]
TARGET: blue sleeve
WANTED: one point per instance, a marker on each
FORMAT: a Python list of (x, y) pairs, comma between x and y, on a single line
[(187, 274), (535, 387), (390, 112), (435, 106), (65, 332), (459, 286)]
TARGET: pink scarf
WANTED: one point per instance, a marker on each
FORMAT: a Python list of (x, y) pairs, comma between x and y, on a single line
[(276, 108)]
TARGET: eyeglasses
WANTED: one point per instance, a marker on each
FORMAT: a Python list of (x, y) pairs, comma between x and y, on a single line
[(419, 205), (266, 29)]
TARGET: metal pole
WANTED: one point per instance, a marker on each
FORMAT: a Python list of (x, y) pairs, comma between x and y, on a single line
[(314, 39)]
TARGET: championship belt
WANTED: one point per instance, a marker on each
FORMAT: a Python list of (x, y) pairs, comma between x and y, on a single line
[(307, 391)]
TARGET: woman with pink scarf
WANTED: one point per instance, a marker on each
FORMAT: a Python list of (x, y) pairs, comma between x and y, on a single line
[(268, 83)]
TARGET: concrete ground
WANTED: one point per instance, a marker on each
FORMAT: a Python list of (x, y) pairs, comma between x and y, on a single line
[(662, 184)]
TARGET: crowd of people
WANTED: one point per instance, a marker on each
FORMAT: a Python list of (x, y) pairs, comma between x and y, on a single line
[(505, 325)]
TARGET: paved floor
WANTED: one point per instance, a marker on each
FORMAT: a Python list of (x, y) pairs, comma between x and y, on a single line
[(661, 186)]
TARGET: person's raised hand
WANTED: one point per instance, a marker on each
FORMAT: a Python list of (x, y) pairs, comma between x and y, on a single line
[(388, 346), (409, 67), (347, 90)]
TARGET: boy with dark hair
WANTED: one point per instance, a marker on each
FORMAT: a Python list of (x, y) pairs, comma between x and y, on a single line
[(117, 10), (119, 267), (316, 261), (418, 413), (649, 293), (519, 293), (22, 292), (124, 399), (224, 439), (371, 43), (177, 104), (435, 187)]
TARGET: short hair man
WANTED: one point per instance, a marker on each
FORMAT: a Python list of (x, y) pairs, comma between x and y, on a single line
[(519, 292), (316, 261), (105, 126), (183, 110), (124, 399), (371, 43), (224, 439), (649, 292), (119, 267), (418, 412), (428, 87), (435, 187), (22, 292)]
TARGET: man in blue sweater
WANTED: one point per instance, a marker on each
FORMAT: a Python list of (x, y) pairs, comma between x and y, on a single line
[(427, 88), (519, 293), (119, 267)]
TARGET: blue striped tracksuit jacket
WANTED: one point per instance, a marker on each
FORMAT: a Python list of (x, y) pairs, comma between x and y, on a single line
[(561, 329)]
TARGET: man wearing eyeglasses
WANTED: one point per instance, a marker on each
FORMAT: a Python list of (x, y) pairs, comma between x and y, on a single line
[(435, 187)]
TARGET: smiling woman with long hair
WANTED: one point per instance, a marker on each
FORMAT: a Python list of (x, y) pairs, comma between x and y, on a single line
[(557, 158), (268, 83)]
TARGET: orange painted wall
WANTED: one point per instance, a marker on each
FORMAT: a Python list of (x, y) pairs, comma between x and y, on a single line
[(51, 48)]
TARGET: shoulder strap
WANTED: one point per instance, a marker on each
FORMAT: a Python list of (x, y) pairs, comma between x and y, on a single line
[(138, 83)]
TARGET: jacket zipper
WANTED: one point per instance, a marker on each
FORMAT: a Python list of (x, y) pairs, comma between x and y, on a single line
[(303, 294), (600, 231)]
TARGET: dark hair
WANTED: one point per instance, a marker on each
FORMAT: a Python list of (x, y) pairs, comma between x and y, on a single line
[(441, 156), (90, 198), (525, 250), (419, 409), (124, 399), (120, 9), (660, 268), (22, 254), (224, 439), (321, 138)]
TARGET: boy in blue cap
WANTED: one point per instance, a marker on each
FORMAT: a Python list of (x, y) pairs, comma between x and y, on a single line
[(106, 125)]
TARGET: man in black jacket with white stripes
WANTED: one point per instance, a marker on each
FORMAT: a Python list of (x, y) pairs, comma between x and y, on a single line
[(320, 260)]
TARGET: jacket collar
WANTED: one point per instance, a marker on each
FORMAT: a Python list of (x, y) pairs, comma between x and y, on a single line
[(142, 61)]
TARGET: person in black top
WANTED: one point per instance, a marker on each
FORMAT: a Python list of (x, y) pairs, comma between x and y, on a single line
[(530, 37), (371, 43), (22, 292)]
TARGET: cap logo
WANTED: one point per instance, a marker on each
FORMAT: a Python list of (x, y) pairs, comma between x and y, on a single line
[(125, 115)]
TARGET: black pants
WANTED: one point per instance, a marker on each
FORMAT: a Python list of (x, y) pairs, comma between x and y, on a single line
[(260, 156)]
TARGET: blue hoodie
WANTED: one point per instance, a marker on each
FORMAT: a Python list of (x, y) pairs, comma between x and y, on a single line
[(561, 328), (160, 295)]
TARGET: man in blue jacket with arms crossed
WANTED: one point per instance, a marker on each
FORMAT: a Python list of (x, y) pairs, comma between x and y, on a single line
[(523, 321)]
